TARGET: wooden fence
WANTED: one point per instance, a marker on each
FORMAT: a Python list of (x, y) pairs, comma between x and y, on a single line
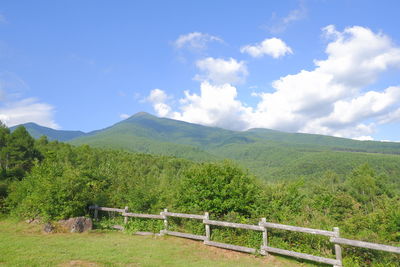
[(263, 226)]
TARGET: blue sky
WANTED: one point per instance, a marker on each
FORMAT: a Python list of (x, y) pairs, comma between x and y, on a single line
[(327, 67)]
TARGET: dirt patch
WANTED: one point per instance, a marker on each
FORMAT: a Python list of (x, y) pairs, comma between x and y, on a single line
[(79, 263), (216, 253)]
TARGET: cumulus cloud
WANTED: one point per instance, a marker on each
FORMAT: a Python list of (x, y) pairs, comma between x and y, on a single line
[(357, 55), (221, 71), (328, 99), (216, 105), (195, 40), (273, 47), (331, 99), (27, 110), (158, 99), (393, 116)]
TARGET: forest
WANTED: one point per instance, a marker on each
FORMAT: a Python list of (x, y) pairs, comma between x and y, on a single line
[(51, 180)]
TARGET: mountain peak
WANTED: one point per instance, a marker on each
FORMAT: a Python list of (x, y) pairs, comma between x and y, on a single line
[(141, 115)]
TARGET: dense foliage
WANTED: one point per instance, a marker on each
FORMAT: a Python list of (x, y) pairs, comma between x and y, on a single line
[(52, 180)]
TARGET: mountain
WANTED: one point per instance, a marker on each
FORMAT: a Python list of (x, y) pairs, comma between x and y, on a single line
[(148, 134), (37, 131), (270, 154), (145, 126)]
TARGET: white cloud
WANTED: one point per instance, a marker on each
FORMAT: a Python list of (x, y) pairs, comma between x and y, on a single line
[(364, 138), (371, 104), (330, 99), (281, 24), (393, 116), (357, 55), (215, 106), (158, 98), (195, 40), (27, 110), (124, 116), (273, 47), (15, 109), (220, 71)]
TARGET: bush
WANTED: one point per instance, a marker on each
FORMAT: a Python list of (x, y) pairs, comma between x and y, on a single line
[(218, 188), (53, 191)]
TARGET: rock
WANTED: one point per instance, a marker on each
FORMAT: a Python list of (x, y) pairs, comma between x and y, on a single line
[(48, 228), (77, 225)]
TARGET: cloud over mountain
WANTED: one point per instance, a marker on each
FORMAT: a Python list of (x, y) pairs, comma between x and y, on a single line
[(330, 99)]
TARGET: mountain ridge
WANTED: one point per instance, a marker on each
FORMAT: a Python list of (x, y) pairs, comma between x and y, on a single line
[(269, 154), (163, 128)]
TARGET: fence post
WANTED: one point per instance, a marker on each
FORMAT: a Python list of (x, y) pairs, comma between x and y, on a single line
[(208, 232), (165, 221), (96, 212), (126, 217), (338, 249), (265, 237)]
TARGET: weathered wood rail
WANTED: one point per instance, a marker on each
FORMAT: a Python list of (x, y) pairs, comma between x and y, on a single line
[(263, 226)]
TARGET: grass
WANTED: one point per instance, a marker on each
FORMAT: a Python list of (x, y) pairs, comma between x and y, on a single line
[(23, 244)]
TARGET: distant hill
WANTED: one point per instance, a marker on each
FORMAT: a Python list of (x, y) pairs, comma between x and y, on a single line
[(144, 125), (268, 153), (37, 131)]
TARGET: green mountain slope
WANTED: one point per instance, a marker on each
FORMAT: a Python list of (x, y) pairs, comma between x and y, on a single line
[(335, 143), (148, 134), (37, 131), (269, 154)]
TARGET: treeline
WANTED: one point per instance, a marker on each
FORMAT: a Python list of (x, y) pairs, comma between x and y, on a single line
[(52, 180)]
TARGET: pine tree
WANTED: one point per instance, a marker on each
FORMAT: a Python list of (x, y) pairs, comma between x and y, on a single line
[(20, 153)]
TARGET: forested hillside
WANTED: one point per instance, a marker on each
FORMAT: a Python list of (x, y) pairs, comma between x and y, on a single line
[(271, 155), (52, 180)]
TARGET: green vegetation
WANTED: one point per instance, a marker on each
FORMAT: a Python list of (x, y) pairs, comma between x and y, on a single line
[(56, 181), (25, 245), (271, 155)]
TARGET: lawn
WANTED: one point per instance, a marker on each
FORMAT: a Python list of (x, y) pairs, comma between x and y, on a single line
[(23, 244)]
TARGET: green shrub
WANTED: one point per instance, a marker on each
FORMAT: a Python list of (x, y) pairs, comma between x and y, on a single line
[(218, 188)]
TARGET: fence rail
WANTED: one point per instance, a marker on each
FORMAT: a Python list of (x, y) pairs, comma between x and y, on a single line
[(184, 215), (139, 215), (362, 244), (297, 229), (302, 255), (262, 226), (234, 225), (231, 247)]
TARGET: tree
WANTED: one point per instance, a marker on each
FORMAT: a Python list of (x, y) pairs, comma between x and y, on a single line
[(362, 186), (20, 153), (219, 188)]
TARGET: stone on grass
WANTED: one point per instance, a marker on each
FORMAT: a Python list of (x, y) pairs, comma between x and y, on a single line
[(48, 228), (77, 225)]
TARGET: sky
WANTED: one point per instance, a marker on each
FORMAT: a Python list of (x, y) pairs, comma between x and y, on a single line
[(310, 66)]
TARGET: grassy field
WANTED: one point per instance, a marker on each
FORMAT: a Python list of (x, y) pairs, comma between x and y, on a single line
[(23, 244)]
